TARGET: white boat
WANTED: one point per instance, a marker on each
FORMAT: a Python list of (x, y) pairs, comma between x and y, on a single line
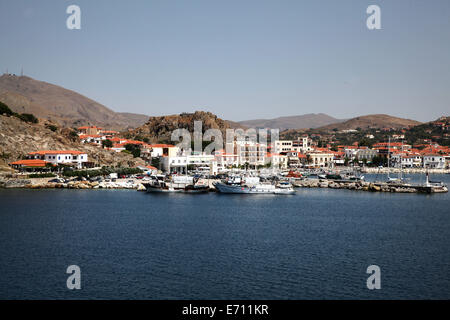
[(176, 184), (431, 186), (257, 188)]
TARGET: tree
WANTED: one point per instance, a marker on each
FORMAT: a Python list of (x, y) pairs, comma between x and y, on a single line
[(134, 149), (107, 143), (4, 109), (346, 161), (52, 127), (28, 117), (156, 162)]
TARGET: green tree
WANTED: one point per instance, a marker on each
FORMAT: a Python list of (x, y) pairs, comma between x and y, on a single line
[(4, 109), (134, 149), (28, 117), (155, 163), (107, 143)]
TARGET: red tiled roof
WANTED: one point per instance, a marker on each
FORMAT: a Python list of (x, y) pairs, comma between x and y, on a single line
[(44, 152), (31, 163)]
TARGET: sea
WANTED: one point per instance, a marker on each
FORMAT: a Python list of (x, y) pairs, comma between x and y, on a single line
[(316, 244)]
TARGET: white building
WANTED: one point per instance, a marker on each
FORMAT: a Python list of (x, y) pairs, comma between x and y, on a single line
[(434, 161), (67, 157), (320, 159), (282, 146), (181, 163), (277, 160), (248, 152), (302, 144)]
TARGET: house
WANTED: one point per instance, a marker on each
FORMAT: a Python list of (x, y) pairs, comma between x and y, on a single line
[(181, 163), (434, 161), (320, 159), (282, 146), (277, 160), (158, 150), (31, 165), (89, 130), (73, 158), (302, 144)]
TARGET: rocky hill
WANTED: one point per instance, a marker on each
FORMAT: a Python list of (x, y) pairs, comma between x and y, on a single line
[(377, 121), (67, 108), (159, 129), (17, 138), (311, 120)]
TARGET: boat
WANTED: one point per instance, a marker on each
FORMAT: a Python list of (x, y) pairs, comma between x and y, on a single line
[(233, 186), (176, 184), (431, 186)]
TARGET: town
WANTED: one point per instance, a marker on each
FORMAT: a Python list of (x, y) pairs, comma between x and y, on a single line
[(303, 152)]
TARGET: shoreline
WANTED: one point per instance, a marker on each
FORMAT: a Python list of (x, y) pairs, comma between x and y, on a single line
[(405, 170)]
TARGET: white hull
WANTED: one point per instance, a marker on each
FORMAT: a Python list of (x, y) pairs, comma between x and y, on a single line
[(258, 189)]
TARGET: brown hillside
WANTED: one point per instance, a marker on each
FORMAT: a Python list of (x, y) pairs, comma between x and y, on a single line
[(17, 138), (306, 121), (66, 107), (377, 121), (159, 129)]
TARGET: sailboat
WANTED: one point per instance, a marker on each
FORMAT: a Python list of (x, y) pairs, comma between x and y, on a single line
[(399, 179)]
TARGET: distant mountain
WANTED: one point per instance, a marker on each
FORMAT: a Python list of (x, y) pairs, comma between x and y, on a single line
[(377, 121), (312, 120), (159, 129), (66, 107)]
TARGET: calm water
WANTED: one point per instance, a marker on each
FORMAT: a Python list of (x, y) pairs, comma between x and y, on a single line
[(133, 245)]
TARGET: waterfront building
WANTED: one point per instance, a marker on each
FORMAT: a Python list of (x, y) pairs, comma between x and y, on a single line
[(181, 163), (277, 160), (434, 161), (320, 159), (73, 158), (282, 146), (150, 151), (366, 153)]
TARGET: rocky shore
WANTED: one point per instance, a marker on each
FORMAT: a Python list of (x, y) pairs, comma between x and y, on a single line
[(356, 185), (44, 183), (405, 170)]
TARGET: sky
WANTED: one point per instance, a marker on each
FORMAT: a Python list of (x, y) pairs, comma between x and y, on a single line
[(240, 59)]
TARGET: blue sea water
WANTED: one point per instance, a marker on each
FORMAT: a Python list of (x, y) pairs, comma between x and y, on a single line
[(316, 244)]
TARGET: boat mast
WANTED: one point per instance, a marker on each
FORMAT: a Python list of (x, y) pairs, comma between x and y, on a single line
[(389, 156), (401, 164)]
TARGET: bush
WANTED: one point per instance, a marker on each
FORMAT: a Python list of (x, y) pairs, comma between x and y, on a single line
[(52, 127), (134, 149), (107, 143), (41, 175), (4, 109), (103, 172), (27, 117)]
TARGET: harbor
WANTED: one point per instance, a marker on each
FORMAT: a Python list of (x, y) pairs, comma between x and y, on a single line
[(249, 182)]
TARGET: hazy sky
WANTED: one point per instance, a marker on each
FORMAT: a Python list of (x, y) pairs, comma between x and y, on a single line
[(241, 59)]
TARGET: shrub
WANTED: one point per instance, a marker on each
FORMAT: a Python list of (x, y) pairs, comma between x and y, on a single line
[(52, 127), (41, 175), (102, 172), (134, 149), (4, 109), (27, 117), (107, 143)]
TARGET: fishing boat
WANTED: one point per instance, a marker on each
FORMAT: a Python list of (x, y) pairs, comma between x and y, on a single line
[(176, 184), (256, 187)]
